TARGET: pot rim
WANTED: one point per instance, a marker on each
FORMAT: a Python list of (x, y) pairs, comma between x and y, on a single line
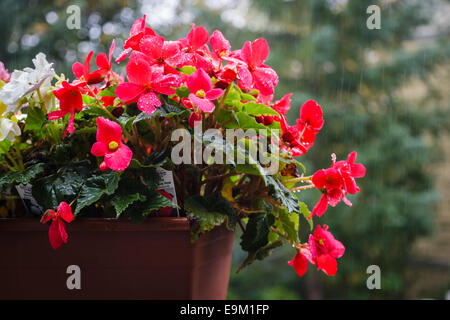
[(100, 224)]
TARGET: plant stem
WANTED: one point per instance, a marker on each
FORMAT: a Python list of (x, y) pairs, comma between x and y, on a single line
[(310, 186), (299, 179)]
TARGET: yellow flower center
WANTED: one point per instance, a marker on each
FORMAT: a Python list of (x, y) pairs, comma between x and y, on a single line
[(113, 146), (200, 94)]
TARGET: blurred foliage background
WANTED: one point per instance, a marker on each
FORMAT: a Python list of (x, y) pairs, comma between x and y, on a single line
[(384, 93)]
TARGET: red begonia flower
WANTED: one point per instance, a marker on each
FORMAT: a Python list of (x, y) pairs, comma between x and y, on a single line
[(160, 52), (336, 182), (324, 249), (220, 46), (145, 81), (105, 62), (194, 49), (70, 101), (283, 105), (109, 145), (255, 73), (137, 32), (311, 117), (300, 263), (57, 234), (202, 93), (83, 73)]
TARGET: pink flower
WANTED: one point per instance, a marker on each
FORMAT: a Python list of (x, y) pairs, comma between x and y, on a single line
[(70, 101), (57, 234), (4, 74), (202, 93), (322, 251), (220, 46), (336, 182), (254, 72), (160, 52), (137, 32), (105, 62), (109, 145), (311, 117), (300, 138), (83, 73), (194, 49), (145, 81)]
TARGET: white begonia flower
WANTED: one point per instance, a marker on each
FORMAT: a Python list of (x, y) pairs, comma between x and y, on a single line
[(25, 82), (9, 130)]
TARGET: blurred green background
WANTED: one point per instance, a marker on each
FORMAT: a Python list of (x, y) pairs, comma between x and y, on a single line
[(385, 93)]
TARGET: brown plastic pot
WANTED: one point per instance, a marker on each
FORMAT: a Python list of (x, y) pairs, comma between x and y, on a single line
[(118, 260)]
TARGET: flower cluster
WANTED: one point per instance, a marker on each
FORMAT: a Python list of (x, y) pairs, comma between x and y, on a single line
[(100, 141)]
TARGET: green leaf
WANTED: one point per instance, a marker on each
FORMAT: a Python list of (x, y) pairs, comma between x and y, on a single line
[(166, 110), (260, 254), (156, 202), (64, 185), (288, 223), (257, 231), (95, 187), (187, 70), (108, 92), (278, 191), (23, 177), (257, 109), (122, 201), (182, 92), (88, 99), (306, 213), (248, 97), (203, 213), (35, 119)]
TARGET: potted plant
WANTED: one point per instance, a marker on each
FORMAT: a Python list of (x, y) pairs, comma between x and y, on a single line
[(189, 146)]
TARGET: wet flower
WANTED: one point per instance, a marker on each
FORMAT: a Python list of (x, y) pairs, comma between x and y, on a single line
[(9, 129), (70, 101), (145, 81), (117, 155), (4, 74), (336, 182), (202, 93), (253, 73), (57, 234), (322, 251), (23, 83)]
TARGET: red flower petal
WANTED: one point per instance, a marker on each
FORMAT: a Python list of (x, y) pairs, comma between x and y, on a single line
[(148, 102), (99, 149), (54, 236), (78, 70), (214, 94), (203, 104), (300, 264), (197, 37), (65, 212), (139, 70), (327, 264), (62, 230), (108, 131), (128, 91), (320, 207), (120, 159), (199, 80)]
